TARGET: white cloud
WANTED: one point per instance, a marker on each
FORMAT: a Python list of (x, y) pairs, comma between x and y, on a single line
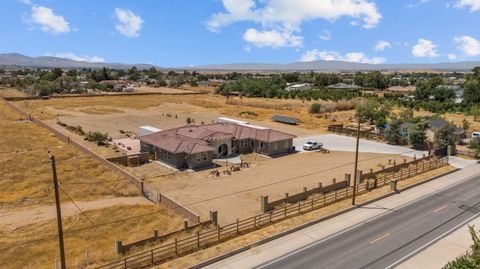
[(354, 57), (425, 48), (128, 23), (287, 16), (49, 21), (273, 38), (382, 45), (468, 45), (83, 58), (474, 5), (26, 2), (452, 56), (326, 35)]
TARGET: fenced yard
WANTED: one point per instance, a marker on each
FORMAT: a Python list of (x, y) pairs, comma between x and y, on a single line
[(340, 129), (202, 239)]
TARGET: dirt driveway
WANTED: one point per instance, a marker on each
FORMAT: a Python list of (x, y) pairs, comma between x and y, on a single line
[(238, 195)]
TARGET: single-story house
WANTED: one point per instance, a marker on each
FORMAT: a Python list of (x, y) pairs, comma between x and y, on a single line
[(437, 124), (405, 128), (434, 126), (194, 146)]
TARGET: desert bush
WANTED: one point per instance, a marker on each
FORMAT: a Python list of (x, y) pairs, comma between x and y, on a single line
[(315, 108)]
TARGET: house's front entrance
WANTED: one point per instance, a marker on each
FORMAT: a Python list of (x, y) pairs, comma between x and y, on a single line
[(222, 150)]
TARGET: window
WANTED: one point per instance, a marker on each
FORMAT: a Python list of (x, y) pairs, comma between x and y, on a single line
[(205, 156), (166, 155), (198, 157), (243, 143), (275, 145)]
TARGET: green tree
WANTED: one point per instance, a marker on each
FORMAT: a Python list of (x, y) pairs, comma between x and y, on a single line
[(443, 94), (471, 91), (446, 136), (471, 260), (392, 133), (418, 136), (375, 80), (422, 91), (372, 110), (475, 145)]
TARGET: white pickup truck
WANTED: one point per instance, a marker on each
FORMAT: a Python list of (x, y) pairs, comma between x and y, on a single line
[(312, 145)]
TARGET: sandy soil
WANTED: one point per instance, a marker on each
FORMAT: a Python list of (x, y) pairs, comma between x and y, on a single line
[(14, 219), (238, 195)]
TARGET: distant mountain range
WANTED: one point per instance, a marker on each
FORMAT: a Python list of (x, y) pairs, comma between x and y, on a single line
[(19, 60)]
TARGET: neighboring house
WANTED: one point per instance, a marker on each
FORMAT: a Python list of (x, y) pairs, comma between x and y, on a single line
[(299, 87), (405, 128), (344, 86), (437, 124), (194, 146)]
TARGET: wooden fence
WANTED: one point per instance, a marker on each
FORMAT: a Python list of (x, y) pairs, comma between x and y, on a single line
[(467, 153), (168, 202), (340, 129), (183, 246)]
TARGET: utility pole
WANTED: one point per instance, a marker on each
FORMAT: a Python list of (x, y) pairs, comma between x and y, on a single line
[(356, 162), (59, 213)]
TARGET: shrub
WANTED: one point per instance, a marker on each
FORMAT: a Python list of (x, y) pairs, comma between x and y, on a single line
[(314, 108)]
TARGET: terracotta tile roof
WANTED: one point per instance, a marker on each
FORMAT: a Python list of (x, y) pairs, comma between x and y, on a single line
[(194, 138)]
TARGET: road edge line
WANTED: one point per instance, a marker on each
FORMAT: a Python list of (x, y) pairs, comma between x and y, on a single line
[(311, 223)]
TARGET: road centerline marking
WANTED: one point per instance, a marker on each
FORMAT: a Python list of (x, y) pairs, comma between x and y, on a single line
[(380, 238), (440, 209)]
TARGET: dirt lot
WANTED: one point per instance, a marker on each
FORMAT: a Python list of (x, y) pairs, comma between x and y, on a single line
[(28, 231), (238, 195), (111, 114)]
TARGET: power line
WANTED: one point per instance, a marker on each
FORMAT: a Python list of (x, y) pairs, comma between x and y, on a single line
[(189, 204), (76, 205), (226, 195)]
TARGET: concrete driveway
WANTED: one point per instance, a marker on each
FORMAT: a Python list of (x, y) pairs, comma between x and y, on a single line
[(345, 143)]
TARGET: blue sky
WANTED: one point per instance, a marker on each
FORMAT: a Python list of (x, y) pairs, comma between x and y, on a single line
[(200, 32)]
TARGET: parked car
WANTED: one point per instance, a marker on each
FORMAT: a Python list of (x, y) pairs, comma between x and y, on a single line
[(476, 135), (312, 145)]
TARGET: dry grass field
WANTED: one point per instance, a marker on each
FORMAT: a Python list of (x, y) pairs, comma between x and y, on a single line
[(26, 184), (112, 114), (11, 92)]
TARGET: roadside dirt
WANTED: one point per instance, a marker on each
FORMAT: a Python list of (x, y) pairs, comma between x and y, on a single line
[(18, 218)]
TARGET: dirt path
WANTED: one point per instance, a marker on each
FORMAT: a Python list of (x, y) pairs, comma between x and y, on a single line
[(18, 218)]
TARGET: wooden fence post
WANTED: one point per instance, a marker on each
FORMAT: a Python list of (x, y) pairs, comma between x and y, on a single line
[(176, 246), (218, 232), (238, 231), (151, 255), (285, 211)]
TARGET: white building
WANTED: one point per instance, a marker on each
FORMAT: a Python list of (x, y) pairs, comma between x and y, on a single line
[(299, 87)]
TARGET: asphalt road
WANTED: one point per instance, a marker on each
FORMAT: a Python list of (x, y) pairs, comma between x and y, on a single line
[(386, 241)]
